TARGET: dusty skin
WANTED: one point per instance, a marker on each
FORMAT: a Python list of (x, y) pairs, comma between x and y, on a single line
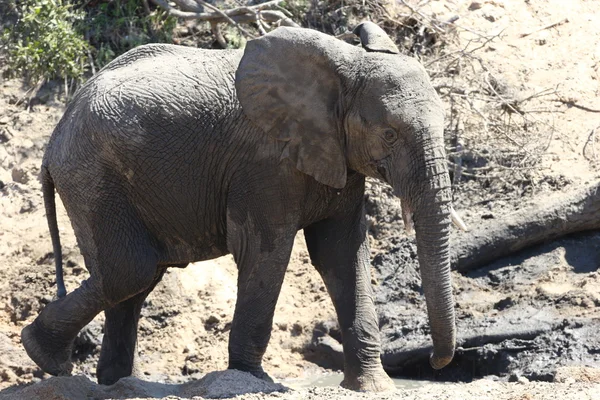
[(185, 324)]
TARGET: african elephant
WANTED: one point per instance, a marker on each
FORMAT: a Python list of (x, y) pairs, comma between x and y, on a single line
[(171, 155)]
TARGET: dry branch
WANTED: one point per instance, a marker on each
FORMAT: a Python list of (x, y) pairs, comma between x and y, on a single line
[(233, 16), (227, 17), (566, 214), (573, 103), (552, 25)]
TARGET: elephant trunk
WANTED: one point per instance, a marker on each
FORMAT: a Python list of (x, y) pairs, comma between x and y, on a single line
[(431, 203), (432, 228)]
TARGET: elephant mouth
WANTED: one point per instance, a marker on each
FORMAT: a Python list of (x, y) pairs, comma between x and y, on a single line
[(409, 223), (407, 211)]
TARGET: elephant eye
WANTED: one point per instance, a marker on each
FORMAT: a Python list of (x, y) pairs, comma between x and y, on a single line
[(390, 135)]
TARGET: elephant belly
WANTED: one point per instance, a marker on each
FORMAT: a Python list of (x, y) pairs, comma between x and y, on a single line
[(185, 232)]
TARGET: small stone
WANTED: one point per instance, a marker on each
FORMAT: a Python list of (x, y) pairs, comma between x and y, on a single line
[(282, 326), (588, 303), (475, 5), (297, 329), (4, 157), (28, 205), (19, 175)]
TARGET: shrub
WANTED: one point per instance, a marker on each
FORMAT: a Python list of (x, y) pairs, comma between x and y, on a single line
[(118, 26), (46, 41)]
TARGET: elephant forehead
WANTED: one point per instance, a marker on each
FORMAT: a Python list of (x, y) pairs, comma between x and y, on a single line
[(398, 106), (396, 83)]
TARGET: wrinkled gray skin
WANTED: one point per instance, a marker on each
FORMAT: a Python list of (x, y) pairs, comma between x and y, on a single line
[(172, 155)]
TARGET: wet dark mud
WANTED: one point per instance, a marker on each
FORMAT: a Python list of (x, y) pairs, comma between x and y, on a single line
[(533, 310), (522, 316), (526, 314)]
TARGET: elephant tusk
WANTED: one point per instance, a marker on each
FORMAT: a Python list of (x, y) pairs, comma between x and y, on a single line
[(407, 217), (457, 220)]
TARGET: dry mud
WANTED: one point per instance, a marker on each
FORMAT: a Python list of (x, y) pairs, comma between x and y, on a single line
[(528, 324)]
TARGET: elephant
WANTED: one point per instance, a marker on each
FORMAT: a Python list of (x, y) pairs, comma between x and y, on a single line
[(171, 155)]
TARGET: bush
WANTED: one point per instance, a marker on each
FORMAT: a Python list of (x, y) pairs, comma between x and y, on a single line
[(53, 39), (118, 26), (46, 42)]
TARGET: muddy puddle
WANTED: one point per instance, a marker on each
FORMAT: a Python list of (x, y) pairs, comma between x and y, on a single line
[(334, 380)]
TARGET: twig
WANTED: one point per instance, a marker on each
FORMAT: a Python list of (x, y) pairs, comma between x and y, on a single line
[(66, 88), (552, 25), (572, 103), (146, 7), (227, 18), (91, 62), (464, 51), (491, 167), (283, 10), (545, 92), (591, 139), (214, 27), (426, 18), (260, 24), (346, 35)]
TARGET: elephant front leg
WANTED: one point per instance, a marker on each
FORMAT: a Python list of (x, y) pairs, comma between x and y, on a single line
[(261, 269), (339, 250)]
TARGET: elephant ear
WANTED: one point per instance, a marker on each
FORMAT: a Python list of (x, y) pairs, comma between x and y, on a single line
[(288, 85), (373, 38)]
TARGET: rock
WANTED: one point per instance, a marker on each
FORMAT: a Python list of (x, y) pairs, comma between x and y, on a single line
[(523, 380), (475, 5), (4, 157), (19, 175), (229, 383), (59, 388), (27, 206)]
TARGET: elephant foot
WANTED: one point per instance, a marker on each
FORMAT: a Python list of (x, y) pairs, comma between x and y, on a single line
[(259, 373), (372, 381), (109, 375), (43, 350)]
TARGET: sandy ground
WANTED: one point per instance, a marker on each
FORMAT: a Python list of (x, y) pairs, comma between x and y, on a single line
[(185, 325)]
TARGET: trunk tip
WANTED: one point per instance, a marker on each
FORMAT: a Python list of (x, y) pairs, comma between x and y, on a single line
[(438, 362)]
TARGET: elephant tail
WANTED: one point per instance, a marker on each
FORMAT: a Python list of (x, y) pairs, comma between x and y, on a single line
[(50, 205)]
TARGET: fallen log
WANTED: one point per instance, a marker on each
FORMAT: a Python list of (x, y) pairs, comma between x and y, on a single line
[(401, 356), (397, 360), (544, 221)]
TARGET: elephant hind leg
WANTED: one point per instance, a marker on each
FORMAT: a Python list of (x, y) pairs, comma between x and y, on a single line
[(119, 345), (122, 263), (49, 339)]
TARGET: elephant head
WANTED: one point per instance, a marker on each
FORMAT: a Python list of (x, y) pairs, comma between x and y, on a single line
[(339, 107)]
